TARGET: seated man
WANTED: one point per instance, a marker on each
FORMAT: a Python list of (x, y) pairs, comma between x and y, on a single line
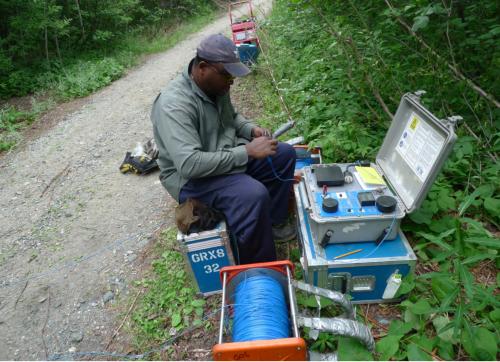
[(205, 151)]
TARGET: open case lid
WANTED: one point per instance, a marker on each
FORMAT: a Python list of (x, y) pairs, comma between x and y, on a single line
[(414, 149)]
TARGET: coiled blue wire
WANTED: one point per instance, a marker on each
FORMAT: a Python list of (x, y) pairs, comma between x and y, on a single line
[(260, 311), (385, 237), (270, 161)]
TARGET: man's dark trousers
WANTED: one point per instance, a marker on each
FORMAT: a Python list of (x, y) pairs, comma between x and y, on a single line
[(251, 202)]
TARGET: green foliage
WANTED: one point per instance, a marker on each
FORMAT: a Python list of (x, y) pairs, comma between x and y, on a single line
[(347, 348), (84, 70), (324, 343), (82, 78), (388, 346), (351, 350), (12, 120), (37, 37), (335, 62), (169, 304)]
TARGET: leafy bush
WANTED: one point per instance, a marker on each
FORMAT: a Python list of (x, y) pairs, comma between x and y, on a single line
[(11, 121), (86, 70), (19, 82), (36, 36), (342, 66), (82, 78)]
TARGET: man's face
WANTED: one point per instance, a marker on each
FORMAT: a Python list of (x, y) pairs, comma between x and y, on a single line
[(216, 80)]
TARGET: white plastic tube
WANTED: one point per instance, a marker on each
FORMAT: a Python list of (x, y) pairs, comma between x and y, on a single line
[(393, 284)]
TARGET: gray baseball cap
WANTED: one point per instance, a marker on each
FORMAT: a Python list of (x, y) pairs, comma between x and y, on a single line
[(217, 48)]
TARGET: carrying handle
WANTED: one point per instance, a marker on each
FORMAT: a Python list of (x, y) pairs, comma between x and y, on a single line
[(335, 297), (347, 326), (307, 203), (340, 327)]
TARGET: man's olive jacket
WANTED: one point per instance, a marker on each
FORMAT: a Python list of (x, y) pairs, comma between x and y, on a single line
[(196, 136)]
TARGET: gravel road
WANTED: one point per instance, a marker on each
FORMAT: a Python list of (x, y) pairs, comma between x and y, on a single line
[(72, 225)]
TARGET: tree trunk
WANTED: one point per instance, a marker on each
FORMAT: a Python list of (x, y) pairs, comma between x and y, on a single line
[(46, 34), (80, 17), (46, 44), (57, 48), (460, 10)]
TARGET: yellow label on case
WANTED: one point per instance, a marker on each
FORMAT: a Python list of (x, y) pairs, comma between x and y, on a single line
[(369, 175), (414, 123)]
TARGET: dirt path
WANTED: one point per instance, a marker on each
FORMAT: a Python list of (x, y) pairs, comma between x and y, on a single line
[(72, 225)]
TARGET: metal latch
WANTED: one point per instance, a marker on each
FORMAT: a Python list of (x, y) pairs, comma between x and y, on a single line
[(363, 283), (452, 121), (418, 94), (345, 282), (340, 282)]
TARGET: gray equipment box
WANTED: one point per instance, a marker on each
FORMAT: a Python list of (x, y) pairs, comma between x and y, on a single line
[(206, 253), (413, 152)]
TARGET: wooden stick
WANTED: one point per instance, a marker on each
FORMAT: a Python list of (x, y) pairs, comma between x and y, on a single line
[(45, 326), (54, 179), (374, 321), (123, 321), (20, 294), (274, 82), (347, 254)]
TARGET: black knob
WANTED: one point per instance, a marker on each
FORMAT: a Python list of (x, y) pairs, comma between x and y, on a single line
[(330, 205), (386, 204)]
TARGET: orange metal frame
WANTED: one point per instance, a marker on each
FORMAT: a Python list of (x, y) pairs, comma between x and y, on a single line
[(234, 270), (314, 150), (285, 349)]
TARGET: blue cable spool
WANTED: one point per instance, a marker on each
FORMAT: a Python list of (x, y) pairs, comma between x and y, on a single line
[(260, 310)]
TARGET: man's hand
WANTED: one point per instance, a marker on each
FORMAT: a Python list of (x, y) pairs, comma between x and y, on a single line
[(259, 132), (261, 147)]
